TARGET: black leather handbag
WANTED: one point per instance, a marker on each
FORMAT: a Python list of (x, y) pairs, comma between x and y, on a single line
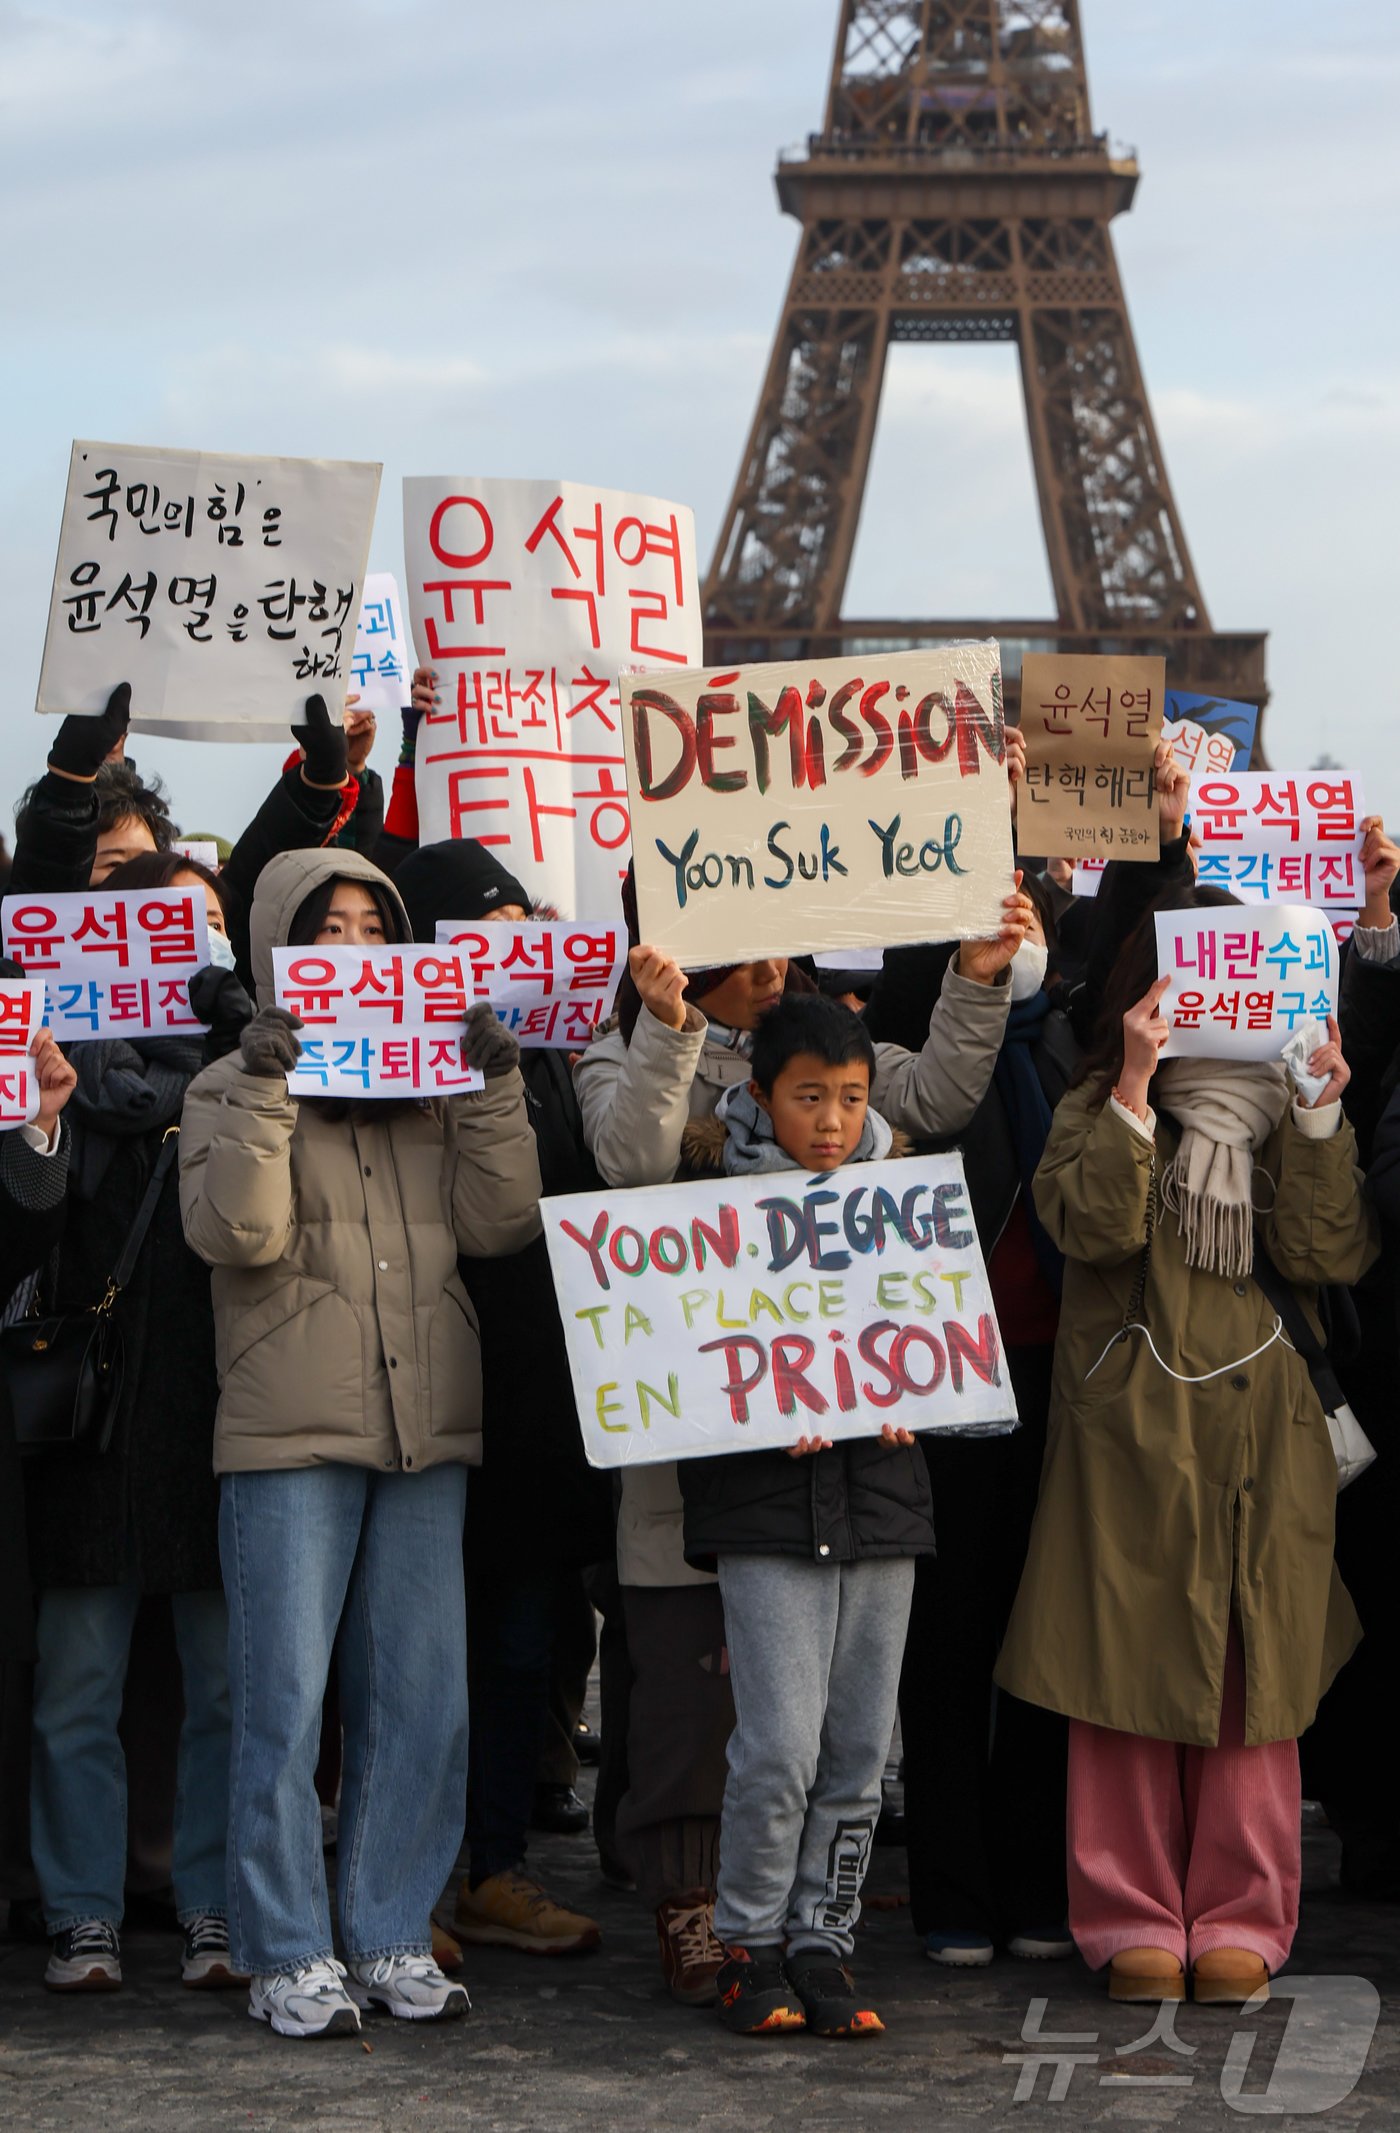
[(65, 1370)]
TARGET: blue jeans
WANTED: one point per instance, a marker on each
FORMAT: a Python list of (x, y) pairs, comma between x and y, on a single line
[(368, 1565), (77, 1805)]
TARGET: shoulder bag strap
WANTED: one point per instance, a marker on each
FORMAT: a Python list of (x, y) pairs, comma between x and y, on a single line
[(136, 1236)]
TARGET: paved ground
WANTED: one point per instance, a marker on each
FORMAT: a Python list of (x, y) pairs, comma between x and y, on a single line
[(593, 2042)]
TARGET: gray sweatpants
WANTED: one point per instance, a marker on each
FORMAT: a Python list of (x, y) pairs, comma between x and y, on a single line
[(814, 1658)]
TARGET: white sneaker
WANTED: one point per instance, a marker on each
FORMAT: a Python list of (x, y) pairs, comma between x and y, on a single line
[(410, 1986), (309, 2001)]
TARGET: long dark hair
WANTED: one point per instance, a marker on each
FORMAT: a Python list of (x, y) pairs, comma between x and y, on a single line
[(1133, 974), (309, 919), (160, 870)]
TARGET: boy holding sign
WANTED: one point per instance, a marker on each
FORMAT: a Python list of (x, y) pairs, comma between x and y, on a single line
[(815, 1549)]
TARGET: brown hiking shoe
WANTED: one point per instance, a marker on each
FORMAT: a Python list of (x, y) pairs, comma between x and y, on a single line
[(690, 1954), (511, 1911)]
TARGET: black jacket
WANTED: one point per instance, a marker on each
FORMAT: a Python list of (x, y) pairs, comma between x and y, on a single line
[(33, 1204), (906, 991), (863, 1498), (536, 1503)]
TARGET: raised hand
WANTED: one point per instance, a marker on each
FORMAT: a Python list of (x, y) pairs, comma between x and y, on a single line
[(984, 960), (1328, 1060), (661, 982), (486, 1044), (1380, 861), (56, 1081), (892, 1437), (424, 695), (1173, 782), (325, 751), (83, 742), (268, 1043), (360, 729), (1145, 1031)]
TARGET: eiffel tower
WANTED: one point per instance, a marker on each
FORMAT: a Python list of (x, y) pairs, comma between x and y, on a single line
[(959, 192)]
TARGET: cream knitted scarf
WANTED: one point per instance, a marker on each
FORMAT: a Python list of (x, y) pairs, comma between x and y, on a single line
[(1226, 1110)]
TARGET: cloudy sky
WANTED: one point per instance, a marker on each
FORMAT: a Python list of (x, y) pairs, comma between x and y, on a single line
[(543, 241)]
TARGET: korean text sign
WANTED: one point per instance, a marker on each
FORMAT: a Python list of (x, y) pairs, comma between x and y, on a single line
[(1243, 978), (225, 589), (1092, 725), (1210, 733), (115, 962), (381, 665), (529, 598), (550, 983), (842, 803), (732, 1314), (21, 1018), (1271, 836), (378, 1022)]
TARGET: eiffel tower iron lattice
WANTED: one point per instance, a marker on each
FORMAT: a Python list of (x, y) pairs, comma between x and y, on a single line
[(959, 192)]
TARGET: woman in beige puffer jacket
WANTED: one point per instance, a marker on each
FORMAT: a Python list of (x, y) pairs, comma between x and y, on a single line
[(350, 1403)]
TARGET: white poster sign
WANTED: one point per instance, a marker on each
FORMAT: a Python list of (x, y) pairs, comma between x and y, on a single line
[(1243, 978), (529, 598), (225, 589), (381, 666), (116, 962), (21, 1017), (738, 1313)]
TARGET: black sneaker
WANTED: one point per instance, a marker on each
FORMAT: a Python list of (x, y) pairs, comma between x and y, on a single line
[(755, 1997), (827, 1992), (207, 1965), (558, 1809), (85, 1958)]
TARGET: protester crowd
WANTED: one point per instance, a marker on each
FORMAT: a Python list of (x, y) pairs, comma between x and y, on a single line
[(345, 1528)]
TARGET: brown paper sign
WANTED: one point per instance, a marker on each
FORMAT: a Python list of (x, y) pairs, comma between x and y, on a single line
[(1092, 726)]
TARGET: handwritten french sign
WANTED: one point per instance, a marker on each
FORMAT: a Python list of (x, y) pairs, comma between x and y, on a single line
[(1092, 725), (726, 1315), (529, 598), (115, 962), (381, 665), (1243, 978), (840, 803), (225, 589), (21, 1017)]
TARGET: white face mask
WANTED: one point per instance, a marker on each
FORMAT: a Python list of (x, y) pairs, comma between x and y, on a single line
[(1028, 967), (221, 954)]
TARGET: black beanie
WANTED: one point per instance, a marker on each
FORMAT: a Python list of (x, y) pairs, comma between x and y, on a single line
[(456, 880)]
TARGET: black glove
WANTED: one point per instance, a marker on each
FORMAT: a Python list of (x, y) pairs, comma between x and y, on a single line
[(83, 742), (218, 998), (486, 1045), (323, 745), (267, 1042)]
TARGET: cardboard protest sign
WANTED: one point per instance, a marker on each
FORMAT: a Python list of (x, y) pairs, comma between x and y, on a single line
[(21, 1018), (379, 1022), (529, 598), (550, 983), (115, 962), (1269, 836), (1209, 733), (382, 663), (839, 803), (223, 588), (735, 1313), (1243, 979), (1092, 725)]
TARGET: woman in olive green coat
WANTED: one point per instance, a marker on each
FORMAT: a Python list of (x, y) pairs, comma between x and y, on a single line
[(1180, 1603)]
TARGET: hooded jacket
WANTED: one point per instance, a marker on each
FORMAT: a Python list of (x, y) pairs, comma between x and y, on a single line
[(343, 1331)]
